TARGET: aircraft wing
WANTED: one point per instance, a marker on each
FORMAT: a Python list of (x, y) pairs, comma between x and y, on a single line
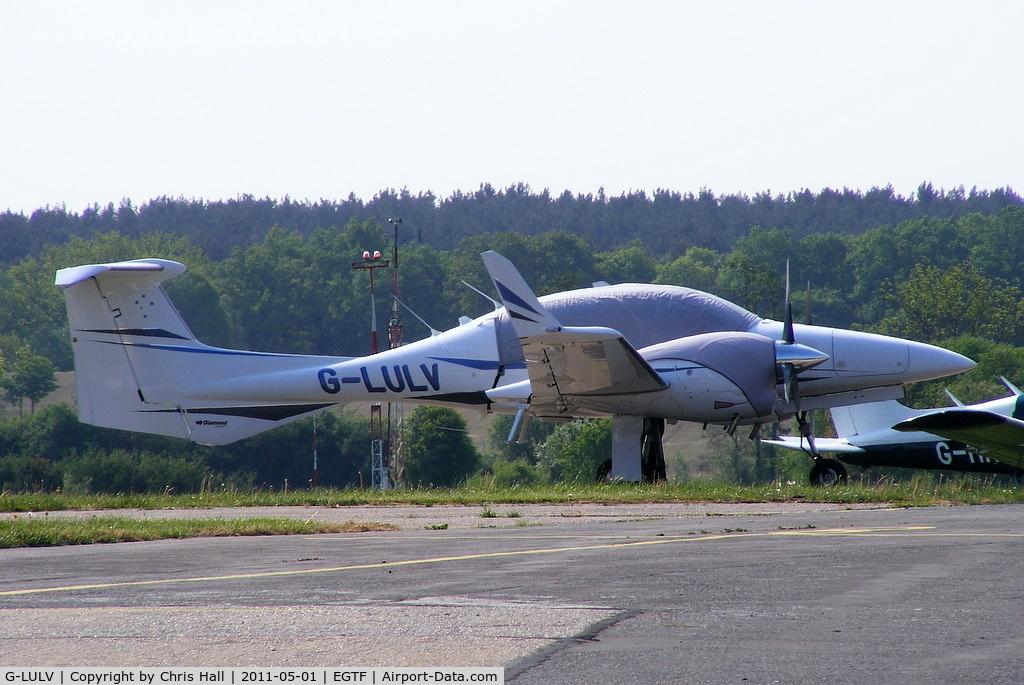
[(570, 368), (836, 445), (584, 368), (997, 436)]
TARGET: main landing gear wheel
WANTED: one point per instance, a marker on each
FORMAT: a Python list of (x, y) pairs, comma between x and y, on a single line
[(827, 472)]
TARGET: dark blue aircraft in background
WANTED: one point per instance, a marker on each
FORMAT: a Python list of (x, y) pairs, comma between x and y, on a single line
[(980, 438)]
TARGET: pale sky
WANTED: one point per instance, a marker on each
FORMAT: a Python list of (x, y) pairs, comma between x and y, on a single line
[(103, 100)]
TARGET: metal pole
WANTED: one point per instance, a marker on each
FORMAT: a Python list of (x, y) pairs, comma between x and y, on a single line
[(396, 333), (316, 469), (377, 466)]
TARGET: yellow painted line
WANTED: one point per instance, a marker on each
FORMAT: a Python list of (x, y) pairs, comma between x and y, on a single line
[(338, 569), (849, 531), (837, 532)]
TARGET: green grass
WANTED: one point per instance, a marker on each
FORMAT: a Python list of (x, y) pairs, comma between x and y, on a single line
[(919, 491), (28, 525), (42, 531)]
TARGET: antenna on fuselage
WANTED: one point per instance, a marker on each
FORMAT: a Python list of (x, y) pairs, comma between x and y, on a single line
[(433, 331), (497, 305)]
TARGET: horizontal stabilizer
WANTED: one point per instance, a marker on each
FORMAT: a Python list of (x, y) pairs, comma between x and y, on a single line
[(834, 445), (164, 268)]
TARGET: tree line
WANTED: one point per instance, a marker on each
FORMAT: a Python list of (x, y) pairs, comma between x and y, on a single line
[(953, 281), (929, 279), (666, 223)]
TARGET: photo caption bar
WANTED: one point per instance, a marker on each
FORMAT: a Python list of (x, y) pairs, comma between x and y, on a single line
[(247, 676)]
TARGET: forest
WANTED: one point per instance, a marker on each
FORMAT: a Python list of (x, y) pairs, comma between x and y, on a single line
[(942, 267), (666, 223)]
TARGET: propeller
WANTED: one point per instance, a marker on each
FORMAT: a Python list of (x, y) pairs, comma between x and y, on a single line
[(788, 336), (791, 356)]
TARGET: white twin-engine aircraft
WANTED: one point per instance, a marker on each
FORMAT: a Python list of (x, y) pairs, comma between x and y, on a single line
[(641, 354)]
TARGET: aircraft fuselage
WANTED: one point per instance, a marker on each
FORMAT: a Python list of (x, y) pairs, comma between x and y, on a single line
[(944, 455)]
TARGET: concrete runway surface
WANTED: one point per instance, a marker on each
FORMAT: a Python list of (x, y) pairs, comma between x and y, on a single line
[(573, 593)]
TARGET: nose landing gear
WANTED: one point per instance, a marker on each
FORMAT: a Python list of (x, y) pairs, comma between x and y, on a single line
[(825, 472)]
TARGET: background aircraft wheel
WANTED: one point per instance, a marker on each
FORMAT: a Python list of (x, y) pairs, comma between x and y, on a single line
[(828, 472), (603, 471)]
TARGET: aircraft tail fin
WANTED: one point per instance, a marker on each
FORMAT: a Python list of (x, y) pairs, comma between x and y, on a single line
[(136, 360), (528, 315), (858, 419), (123, 298)]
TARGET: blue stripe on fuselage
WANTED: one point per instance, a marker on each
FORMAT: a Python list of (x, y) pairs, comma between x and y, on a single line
[(199, 350), (481, 364)]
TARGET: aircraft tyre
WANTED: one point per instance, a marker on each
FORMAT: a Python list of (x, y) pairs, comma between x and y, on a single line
[(827, 472), (604, 471)]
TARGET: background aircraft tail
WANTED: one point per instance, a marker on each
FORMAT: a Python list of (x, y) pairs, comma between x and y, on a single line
[(860, 419), (137, 364), (855, 420)]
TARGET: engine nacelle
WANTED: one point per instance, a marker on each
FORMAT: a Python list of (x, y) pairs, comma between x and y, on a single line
[(718, 377)]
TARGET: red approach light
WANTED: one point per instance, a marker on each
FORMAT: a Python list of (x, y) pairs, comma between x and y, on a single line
[(366, 254), (376, 254)]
